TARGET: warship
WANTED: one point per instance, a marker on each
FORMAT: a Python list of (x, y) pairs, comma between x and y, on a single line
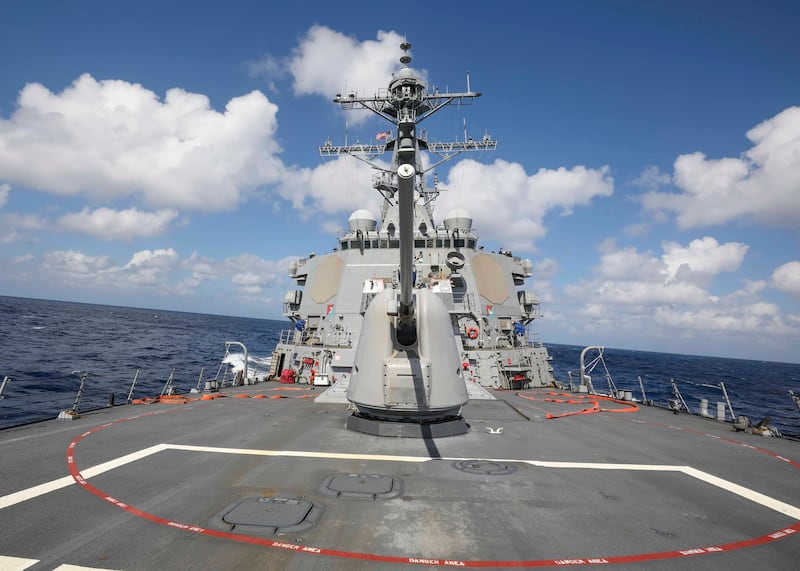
[(410, 419)]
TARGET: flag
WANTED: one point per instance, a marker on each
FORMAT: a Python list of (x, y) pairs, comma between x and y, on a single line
[(383, 136)]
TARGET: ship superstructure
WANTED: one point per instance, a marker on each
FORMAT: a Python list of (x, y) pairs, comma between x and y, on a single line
[(489, 312)]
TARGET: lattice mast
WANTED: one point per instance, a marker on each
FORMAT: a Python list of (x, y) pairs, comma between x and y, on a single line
[(405, 104)]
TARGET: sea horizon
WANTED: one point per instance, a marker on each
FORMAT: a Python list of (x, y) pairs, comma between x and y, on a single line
[(545, 342)]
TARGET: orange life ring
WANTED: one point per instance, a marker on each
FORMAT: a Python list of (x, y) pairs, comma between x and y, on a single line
[(472, 332)]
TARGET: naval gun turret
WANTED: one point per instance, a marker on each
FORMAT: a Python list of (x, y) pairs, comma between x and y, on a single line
[(407, 377)]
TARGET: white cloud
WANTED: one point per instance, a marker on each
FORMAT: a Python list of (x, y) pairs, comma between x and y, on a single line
[(626, 276), (5, 189), (762, 185), (503, 191), (254, 275), (702, 259), (747, 318), (145, 258), (652, 178), (787, 278), (638, 229), (327, 62), (150, 268), (545, 269), (159, 271), (201, 267), (118, 224), (669, 296), (334, 186), (269, 68), (12, 225), (75, 265), (110, 139)]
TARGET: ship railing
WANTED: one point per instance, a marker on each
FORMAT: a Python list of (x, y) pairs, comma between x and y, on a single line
[(518, 365), (295, 337), (315, 337), (535, 339), (287, 337)]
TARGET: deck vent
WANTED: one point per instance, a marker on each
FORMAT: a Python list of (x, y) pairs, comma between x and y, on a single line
[(484, 467), (268, 516), (361, 486)]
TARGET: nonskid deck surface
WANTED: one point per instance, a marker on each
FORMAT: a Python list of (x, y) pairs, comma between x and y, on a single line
[(161, 486)]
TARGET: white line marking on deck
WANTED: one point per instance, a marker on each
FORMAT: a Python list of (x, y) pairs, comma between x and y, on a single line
[(301, 454), (741, 491), (8, 563), (53, 485), (736, 489), (68, 567)]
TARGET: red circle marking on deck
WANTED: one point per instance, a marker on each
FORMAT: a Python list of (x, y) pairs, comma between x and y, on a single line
[(429, 561)]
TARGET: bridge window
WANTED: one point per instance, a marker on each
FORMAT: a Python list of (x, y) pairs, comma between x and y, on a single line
[(419, 243)]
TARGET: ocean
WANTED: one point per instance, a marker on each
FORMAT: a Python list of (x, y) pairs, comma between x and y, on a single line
[(46, 346)]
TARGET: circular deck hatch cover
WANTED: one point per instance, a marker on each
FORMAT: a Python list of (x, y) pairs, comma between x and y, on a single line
[(484, 467)]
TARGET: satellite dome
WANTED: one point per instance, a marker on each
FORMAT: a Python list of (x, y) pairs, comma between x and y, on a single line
[(458, 219), (362, 220), (406, 76)]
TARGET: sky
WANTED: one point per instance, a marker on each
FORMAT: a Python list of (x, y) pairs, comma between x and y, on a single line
[(164, 155)]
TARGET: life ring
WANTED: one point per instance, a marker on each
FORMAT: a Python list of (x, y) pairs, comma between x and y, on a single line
[(472, 332)]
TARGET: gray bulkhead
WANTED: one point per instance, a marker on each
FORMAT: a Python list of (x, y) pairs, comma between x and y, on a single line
[(479, 289)]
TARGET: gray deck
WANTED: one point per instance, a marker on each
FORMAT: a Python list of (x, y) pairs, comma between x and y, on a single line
[(517, 488)]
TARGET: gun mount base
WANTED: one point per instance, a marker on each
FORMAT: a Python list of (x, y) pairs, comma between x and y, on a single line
[(407, 429)]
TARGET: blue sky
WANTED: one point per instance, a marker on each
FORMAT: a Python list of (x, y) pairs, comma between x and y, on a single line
[(164, 155)]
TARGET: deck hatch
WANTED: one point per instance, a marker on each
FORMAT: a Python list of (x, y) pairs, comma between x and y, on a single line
[(274, 515), (362, 486)]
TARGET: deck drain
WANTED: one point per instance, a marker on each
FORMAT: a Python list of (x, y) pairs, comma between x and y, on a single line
[(484, 467), (361, 486), (276, 515)]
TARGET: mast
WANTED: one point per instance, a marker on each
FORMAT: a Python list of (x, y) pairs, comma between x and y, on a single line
[(405, 104)]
